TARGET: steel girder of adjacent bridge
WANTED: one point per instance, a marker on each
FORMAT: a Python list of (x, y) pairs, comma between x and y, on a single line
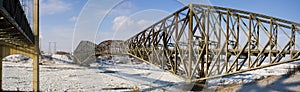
[(200, 42)]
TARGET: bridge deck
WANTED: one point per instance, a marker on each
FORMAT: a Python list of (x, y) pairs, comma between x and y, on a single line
[(14, 27)]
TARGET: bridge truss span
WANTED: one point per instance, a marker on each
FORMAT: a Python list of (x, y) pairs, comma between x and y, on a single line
[(200, 42)]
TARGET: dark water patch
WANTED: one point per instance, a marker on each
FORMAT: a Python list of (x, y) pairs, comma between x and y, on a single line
[(64, 68), (13, 91), (108, 71), (12, 78), (118, 88), (17, 67)]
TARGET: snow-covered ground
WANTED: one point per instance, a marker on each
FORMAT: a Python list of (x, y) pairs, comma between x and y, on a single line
[(116, 75), (274, 83), (63, 76), (252, 76)]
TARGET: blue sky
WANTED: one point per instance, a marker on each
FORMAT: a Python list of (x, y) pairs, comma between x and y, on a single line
[(66, 22)]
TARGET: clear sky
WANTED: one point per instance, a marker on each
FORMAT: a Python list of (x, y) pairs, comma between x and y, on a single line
[(66, 22)]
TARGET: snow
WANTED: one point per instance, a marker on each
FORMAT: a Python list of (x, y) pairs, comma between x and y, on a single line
[(251, 76), (276, 83), (16, 58), (63, 76), (121, 73)]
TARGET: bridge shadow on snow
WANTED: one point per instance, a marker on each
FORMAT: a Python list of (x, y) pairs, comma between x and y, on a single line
[(139, 78), (62, 61), (57, 59), (136, 77), (279, 84)]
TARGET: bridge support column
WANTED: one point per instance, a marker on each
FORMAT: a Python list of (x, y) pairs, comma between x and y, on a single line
[(1, 58), (36, 46), (4, 51)]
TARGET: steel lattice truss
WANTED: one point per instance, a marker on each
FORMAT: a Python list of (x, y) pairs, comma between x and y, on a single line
[(199, 42)]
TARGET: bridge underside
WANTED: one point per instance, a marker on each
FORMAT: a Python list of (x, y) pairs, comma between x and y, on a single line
[(16, 36), (200, 42), (14, 28)]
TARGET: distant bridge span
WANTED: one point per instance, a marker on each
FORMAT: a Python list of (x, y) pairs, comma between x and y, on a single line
[(200, 42)]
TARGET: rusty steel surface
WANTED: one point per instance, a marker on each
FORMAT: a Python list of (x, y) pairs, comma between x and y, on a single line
[(200, 42)]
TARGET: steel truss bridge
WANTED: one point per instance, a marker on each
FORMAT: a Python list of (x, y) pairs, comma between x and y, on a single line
[(17, 37), (200, 42)]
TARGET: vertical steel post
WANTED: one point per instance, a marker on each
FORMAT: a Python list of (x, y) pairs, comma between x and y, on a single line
[(238, 33), (207, 42), (1, 58), (292, 42), (176, 42), (237, 44), (257, 38), (190, 34), (36, 45), (226, 42), (219, 42), (203, 44), (271, 40), (249, 42)]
